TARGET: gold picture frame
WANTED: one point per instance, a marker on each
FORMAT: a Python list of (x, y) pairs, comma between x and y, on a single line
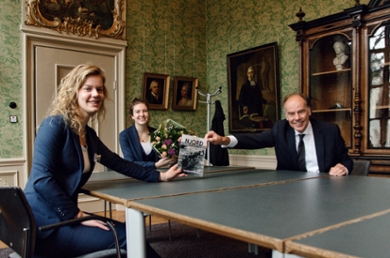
[(184, 93), (156, 90), (254, 89), (82, 18)]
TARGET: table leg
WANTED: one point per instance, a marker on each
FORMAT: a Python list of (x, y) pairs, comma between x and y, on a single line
[(277, 254), (135, 234)]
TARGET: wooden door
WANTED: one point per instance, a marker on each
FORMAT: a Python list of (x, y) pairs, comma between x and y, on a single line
[(52, 64)]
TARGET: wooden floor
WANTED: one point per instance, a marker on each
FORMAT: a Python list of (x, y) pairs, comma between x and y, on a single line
[(119, 216)]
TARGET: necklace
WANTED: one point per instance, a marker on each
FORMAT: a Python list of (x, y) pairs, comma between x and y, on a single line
[(143, 137), (83, 140)]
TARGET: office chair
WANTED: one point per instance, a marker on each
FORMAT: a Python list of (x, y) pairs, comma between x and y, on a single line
[(18, 228), (361, 167)]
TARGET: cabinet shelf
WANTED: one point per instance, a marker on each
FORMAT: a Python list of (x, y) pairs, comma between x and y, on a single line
[(331, 72), (382, 107), (332, 110)]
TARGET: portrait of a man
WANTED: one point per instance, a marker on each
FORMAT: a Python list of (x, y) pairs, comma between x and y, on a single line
[(156, 90), (154, 93), (253, 89)]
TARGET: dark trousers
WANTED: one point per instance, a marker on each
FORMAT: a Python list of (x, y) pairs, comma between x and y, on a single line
[(71, 241)]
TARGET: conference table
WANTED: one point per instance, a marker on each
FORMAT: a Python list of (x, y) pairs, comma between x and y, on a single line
[(265, 208), (367, 237)]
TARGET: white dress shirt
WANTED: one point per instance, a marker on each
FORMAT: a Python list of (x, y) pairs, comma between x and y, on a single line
[(310, 149)]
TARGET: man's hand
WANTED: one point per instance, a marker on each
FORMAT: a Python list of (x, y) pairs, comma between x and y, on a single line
[(216, 139), (172, 173), (338, 170)]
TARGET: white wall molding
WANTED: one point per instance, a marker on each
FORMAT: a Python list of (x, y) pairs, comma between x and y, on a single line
[(9, 177), (12, 162)]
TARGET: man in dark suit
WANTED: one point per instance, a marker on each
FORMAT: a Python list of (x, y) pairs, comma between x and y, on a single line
[(325, 149)]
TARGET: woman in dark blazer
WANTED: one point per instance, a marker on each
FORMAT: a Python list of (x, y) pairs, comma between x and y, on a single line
[(65, 152), (135, 140)]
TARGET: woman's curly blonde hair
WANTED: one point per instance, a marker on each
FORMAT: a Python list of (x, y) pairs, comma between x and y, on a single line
[(65, 103)]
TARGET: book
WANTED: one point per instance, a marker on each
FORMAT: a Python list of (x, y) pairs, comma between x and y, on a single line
[(192, 154)]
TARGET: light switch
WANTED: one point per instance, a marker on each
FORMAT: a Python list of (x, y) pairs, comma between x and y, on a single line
[(13, 119)]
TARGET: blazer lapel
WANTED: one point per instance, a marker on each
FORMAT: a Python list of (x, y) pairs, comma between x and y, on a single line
[(135, 142), (320, 146), (290, 137)]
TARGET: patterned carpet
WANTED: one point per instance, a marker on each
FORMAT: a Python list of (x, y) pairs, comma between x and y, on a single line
[(4, 252), (185, 243)]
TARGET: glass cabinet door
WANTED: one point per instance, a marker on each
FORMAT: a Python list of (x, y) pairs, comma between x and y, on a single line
[(378, 116), (330, 85)]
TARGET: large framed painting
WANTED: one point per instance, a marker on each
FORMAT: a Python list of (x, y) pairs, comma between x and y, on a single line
[(156, 90), (254, 90), (83, 17)]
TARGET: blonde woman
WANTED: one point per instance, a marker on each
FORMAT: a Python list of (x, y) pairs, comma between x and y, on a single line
[(65, 152)]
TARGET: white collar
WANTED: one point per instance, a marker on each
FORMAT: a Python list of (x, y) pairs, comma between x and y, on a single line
[(308, 130)]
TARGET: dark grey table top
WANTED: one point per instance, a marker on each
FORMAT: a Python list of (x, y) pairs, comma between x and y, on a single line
[(273, 213), (364, 238), (112, 175), (122, 191)]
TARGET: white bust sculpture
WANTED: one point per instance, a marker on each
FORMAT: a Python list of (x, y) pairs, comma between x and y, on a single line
[(341, 57)]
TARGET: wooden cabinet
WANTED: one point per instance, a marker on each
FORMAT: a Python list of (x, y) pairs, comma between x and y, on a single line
[(345, 70)]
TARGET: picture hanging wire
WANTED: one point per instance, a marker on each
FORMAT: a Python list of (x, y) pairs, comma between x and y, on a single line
[(208, 102)]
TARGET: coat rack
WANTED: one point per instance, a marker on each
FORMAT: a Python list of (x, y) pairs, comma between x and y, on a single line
[(208, 102)]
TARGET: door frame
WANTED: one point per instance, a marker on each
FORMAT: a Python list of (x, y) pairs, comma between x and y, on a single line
[(114, 48)]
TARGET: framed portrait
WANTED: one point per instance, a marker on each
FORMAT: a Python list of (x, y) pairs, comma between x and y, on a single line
[(184, 93), (156, 90), (75, 17), (253, 81)]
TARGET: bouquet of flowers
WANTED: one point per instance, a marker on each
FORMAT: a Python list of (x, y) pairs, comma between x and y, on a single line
[(166, 139)]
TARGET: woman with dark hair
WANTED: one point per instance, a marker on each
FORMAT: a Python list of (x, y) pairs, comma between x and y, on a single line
[(135, 140)]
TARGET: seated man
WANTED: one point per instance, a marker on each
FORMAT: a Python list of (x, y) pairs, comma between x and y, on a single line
[(324, 147)]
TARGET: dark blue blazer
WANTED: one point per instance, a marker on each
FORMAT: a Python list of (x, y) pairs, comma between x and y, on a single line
[(329, 144), (57, 171), (132, 149)]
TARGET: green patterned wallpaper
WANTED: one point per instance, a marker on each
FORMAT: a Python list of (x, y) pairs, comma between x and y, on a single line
[(167, 37), (182, 38), (11, 134)]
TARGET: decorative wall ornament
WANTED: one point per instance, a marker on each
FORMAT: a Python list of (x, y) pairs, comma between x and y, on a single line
[(93, 18)]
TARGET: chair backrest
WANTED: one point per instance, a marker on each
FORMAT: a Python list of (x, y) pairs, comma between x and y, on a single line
[(17, 224), (361, 167)]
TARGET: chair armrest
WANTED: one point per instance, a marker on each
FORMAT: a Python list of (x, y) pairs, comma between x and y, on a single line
[(71, 222), (79, 220)]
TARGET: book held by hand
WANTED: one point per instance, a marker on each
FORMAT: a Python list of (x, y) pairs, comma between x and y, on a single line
[(192, 154)]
